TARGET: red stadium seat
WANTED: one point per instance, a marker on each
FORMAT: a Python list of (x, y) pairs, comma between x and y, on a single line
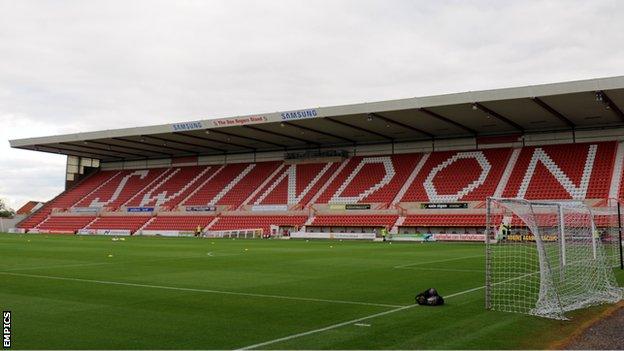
[(571, 171), (562, 172), (69, 198), (257, 222), (131, 223), (355, 221), (187, 223), (295, 184), (68, 224), (370, 179), (458, 176)]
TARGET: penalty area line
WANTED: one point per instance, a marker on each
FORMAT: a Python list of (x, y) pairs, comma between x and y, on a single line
[(358, 320)]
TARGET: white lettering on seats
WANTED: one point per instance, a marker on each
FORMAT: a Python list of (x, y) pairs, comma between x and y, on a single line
[(478, 156), (141, 174), (229, 187), (386, 161), (162, 197), (576, 192), (291, 173)]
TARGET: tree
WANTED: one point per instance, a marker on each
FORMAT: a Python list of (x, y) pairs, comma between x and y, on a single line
[(5, 210)]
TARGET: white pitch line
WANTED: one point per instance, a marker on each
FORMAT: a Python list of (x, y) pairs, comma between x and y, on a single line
[(438, 261), (338, 325), (210, 291), (329, 327), (443, 269), (353, 321)]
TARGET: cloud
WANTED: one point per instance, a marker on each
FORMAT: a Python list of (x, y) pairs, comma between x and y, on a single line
[(68, 66)]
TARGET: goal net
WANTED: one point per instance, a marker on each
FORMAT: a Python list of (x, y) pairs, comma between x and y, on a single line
[(239, 233), (546, 258), (608, 219)]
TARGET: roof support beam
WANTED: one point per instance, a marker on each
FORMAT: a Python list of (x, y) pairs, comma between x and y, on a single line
[(101, 149), (498, 116), (282, 135), (245, 137), (615, 108), (447, 120), (319, 132), (214, 140), (389, 120), (553, 112), (129, 148), (157, 145), (73, 152), (359, 128), (182, 143)]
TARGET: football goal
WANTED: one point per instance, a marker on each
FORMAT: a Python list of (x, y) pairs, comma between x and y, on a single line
[(239, 233), (547, 258)]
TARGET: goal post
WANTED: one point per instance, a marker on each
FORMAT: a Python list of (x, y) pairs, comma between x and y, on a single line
[(608, 218), (546, 258)]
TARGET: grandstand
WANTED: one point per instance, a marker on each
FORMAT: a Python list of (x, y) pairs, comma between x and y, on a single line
[(417, 165)]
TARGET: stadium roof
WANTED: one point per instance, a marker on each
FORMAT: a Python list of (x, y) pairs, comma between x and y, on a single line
[(586, 104)]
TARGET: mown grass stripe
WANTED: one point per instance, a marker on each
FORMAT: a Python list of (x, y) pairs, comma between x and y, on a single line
[(210, 291)]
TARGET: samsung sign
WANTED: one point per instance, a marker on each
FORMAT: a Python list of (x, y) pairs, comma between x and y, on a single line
[(178, 127), (287, 116)]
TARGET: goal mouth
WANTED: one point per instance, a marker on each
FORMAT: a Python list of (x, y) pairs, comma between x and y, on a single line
[(546, 258)]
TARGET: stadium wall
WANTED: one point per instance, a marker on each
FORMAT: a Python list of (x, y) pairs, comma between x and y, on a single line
[(6, 223)]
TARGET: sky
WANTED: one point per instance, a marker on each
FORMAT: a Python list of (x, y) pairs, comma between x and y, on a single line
[(75, 66)]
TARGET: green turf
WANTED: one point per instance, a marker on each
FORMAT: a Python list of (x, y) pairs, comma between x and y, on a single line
[(88, 310)]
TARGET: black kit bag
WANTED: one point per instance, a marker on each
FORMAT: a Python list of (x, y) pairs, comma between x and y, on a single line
[(429, 297)]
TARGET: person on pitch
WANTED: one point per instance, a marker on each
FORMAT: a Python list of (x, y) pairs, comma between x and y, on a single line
[(384, 233), (198, 230)]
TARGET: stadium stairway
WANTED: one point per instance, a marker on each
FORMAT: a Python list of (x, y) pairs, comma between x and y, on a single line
[(64, 224), (146, 224), (264, 184), (399, 222), (201, 185), (331, 179), (130, 223), (213, 190)]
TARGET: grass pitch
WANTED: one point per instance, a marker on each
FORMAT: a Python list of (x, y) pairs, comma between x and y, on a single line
[(73, 292)]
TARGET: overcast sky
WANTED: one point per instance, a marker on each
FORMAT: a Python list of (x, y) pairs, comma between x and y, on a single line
[(70, 66)]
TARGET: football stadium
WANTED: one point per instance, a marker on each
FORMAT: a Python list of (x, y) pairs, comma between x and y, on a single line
[(316, 228)]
